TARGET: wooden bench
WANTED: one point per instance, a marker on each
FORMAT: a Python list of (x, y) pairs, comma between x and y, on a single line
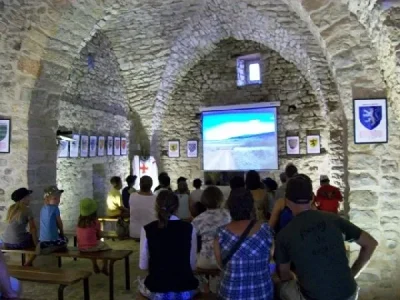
[(63, 278), (111, 255)]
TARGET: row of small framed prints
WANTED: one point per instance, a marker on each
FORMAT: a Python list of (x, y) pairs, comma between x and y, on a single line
[(313, 144), (92, 146)]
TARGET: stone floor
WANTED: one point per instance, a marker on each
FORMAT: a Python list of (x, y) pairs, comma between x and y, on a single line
[(98, 283)]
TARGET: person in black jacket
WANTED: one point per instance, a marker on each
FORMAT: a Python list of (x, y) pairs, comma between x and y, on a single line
[(168, 249)]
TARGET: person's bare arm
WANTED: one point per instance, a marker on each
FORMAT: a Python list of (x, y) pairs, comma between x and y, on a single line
[(284, 272), (60, 226), (368, 245), (279, 205), (217, 252), (33, 231)]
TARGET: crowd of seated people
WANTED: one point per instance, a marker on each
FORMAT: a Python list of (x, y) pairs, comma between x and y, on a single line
[(267, 241)]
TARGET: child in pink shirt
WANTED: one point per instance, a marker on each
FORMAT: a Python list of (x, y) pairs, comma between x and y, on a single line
[(88, 232)]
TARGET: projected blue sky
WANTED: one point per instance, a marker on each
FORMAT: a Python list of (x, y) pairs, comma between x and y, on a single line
[(234, 123)]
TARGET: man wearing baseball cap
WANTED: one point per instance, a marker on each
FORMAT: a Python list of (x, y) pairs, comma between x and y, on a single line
[(328, 196), (312, 244)]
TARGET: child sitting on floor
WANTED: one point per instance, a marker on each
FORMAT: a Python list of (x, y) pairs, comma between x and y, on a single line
[(19, 216), (51, 227), (88, 232)]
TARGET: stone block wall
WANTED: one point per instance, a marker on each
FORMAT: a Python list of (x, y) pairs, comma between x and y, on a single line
[(94, 103), (213, 82)]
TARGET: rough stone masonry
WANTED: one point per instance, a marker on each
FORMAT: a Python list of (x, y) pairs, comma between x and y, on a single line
[(337, 50)]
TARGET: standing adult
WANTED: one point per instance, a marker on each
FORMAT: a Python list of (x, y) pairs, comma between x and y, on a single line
[(313, 244), (253, 184), (290, 172), (128, 190), (242, 249), (141, 207), (270, 188), (160, 176), (328, 196), (164, 184)]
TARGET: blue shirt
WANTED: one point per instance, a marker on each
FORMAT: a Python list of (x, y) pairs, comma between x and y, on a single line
[(48, 223)]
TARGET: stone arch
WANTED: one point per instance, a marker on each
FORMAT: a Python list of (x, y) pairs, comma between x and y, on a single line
[(207, 29)]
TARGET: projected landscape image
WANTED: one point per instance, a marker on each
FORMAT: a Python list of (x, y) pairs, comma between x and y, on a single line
[(240, 140)]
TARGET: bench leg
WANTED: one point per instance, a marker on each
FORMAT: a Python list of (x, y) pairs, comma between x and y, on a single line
[(23, 259), (61, 292), (75, 244), (111, 280), (127, 274), (86, 293), (59, 261)]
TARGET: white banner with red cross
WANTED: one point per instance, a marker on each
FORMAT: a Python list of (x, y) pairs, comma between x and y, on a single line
[(145, 167)]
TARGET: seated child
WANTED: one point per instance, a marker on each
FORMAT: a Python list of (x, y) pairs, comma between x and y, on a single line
[(51, 227), (88, 232), (19, 215), (10, 288), (114, 199)]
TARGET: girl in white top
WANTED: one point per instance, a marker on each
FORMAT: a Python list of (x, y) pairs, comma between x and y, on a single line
[(183, 210), (141, 206)]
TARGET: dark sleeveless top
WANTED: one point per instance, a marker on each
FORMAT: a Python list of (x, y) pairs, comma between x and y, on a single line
[(169, 257), (285, 217)]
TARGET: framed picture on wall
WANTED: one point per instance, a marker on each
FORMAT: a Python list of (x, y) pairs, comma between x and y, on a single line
[(110, 145), (313, 144), (124, 146), (173, 149), (370, 121), (117, 146), (5, 135), (74, 146), (92, 146), (101, 146), (63, 148), (292, 145), (84, 145), (192, 149)]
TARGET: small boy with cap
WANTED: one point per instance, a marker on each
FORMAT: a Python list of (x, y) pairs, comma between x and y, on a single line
[(328, 196), (88, 232), (51, 226)]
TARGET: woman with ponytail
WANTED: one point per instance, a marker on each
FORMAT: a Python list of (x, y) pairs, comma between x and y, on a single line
[(19, 216), (168, 251)]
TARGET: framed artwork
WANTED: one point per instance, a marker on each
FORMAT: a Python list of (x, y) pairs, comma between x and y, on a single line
[(313, 144), (192, 149), (5, 135), (173, 149), (124, 146), (110, 145), (101, 146), (84, 145), (370, 121), (93, 146), (74, 146), (117, 146), (292, 145), (63, 148)]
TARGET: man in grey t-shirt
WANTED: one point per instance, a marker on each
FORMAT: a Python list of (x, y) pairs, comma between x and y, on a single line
[(312, 245)]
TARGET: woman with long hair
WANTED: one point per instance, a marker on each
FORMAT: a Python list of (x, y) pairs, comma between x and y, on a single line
[(254, 185), (19, 216), (168, 251)]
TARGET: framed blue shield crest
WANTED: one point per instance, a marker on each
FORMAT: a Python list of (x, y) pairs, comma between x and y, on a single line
[(370, 121)]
